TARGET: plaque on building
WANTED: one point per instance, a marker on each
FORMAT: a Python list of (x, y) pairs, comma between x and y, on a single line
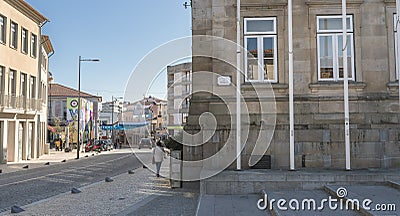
[(224, 81)]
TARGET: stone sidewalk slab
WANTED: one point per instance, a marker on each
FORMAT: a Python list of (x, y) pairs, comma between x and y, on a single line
[(305, 196), (384, 196), (227, 205)]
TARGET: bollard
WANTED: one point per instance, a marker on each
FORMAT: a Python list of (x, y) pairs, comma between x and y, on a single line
[(108, 179), (16, 209), (75, 191)]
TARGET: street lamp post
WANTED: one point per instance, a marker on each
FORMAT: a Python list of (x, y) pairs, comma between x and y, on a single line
[(79, 100)]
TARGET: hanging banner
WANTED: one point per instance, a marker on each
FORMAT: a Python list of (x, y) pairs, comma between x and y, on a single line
[(72, 109)]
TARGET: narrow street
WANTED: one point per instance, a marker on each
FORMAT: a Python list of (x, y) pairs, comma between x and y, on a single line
[(28, 186)]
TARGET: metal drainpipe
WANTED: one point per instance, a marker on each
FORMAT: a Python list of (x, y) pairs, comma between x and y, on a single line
[(39, 128)]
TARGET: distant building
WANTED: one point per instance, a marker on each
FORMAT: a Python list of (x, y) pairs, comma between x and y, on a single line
[(24, 55), (109, 115), (179, 92), (60, 115), (150, 111)]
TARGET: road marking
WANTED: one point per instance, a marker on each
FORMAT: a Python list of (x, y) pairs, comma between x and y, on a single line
[(77, 169)]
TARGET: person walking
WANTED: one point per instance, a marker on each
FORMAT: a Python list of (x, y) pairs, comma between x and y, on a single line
[(158, 157)]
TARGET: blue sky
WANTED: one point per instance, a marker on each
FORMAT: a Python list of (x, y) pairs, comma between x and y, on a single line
[(120, 33)]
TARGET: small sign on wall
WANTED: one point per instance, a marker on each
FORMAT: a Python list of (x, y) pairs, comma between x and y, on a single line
[(224, 80)]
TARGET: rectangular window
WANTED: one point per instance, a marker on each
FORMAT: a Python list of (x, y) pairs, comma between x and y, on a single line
[(44, 62), (12, 83), (3, 24), (260, 42), (188, 76), (24, 41), (330, 46), (22, 90), (14, 35), (396, 43), (33, 45), (32, 88), (2, 71), (23, 84)]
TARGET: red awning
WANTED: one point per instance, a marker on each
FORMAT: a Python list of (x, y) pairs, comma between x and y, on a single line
[(50, 128)]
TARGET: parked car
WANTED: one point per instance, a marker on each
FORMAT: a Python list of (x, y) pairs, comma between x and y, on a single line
[(146, 142)]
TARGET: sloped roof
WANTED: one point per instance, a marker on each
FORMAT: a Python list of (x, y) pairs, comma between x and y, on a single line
[(28, 10), (58, 90), (48, 47)]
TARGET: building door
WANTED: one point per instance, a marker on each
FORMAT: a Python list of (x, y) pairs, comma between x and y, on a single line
[(21, 146), (30, 141), (11, 142), (2, 152)]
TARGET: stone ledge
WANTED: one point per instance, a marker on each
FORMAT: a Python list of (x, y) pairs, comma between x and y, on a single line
[(271, 3), (281, 88), (315, 87), (332, 2), (253, 181)]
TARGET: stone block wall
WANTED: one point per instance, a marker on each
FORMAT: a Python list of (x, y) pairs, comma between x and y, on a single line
[(319, 115)]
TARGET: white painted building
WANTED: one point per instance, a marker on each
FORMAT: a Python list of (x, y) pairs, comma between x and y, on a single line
[(24, 54), (179, 91)]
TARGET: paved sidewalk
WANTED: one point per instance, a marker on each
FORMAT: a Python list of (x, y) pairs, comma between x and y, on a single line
[(140, 193)]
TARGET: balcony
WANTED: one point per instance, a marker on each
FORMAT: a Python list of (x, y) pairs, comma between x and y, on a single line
[(11, 101), (33, 104), (19, 102), (22, 102)]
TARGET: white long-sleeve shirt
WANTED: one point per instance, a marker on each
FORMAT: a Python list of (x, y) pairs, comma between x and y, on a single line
[(158, 153)]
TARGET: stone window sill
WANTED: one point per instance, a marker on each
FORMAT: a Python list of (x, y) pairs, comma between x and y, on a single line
[(276, 86), (268, 4), (332, 2), (358, 86)]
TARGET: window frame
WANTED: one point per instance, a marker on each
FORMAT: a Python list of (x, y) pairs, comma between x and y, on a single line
[(3, 30), (246, 32), (335, 17), (2, 75), (14, 35), (12, 82), (32, 87), (23, 81), (24, 41), (260, 36), (34, 44), (335, 34), (396, 43)]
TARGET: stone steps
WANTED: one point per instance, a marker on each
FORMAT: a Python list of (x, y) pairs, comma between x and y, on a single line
[(254, 181)]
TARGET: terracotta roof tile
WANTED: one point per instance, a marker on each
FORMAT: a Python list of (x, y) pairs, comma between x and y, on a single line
[(58, 90)]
